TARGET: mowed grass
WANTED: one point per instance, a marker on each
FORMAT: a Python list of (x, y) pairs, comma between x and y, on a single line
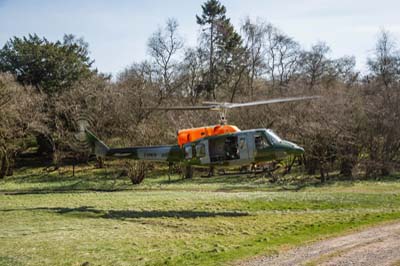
[(98, 218)]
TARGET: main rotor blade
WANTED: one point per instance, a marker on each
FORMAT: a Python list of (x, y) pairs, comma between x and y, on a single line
[(217, 106), (213, 103), (184, 108), (277, 100)]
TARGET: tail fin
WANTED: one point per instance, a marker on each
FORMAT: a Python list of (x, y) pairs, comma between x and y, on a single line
[(98, 147)]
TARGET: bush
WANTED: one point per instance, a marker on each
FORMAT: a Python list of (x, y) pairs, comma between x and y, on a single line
[(136, 171)]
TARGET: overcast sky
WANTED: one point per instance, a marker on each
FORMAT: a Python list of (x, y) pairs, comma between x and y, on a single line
[(117, 31)]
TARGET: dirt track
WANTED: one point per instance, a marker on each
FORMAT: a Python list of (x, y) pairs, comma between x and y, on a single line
[(374, 246)]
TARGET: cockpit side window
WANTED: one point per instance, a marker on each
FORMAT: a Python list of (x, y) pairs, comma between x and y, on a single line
[(261, 141), (201, 150), (273, 137), (188, 152)]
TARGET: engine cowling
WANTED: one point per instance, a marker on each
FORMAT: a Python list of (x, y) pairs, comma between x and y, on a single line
[(192, 134)]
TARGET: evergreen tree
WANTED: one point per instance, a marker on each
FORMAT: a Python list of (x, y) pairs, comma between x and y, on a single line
[(221, 44), (48, 66)]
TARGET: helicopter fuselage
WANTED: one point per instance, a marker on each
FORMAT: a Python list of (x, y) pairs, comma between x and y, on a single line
[(231, 149)]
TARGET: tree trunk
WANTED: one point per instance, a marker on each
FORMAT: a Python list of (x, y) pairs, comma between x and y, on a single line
[(3, 167), (323, 176), (385, 169), (56, 159), (10, 169), (346, 168), (311, 166), (44, 144), (100, 162)]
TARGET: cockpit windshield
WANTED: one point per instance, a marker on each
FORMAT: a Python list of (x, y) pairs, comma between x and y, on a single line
[(273, 137)]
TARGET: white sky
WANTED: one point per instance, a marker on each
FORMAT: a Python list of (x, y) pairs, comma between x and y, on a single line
[(117, 31)]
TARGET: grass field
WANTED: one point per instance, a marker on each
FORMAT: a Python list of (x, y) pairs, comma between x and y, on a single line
[(99, 219)]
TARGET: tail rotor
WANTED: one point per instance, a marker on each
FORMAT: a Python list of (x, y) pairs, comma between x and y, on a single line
[(79, 141)]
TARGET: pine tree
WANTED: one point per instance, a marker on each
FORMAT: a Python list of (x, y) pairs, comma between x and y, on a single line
[(220, 40)]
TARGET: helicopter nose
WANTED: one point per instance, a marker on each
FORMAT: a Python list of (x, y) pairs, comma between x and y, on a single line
[(298, 150), (293, 148)]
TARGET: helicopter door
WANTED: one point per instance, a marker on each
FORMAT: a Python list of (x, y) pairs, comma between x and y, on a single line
[(231, 148), (243, 147), (202, 152)]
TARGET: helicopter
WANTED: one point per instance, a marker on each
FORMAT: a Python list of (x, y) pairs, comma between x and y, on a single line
[(220, 146)]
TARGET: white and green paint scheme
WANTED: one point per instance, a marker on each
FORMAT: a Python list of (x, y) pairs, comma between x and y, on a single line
[(240, 148)]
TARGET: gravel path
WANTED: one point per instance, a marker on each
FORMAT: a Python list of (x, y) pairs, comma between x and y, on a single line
[(375, 246)]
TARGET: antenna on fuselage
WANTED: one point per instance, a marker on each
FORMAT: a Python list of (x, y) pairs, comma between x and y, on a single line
[(222, 116)]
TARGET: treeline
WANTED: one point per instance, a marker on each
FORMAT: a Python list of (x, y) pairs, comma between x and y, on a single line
[(354, 129)]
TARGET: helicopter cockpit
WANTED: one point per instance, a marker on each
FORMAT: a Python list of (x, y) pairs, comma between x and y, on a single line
[(266, 138), (273, 138)]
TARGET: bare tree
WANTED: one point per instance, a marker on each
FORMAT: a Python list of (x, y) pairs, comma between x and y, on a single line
[(385, 65), (192, 71), (381, 140), (316, 67), (314, 63), (282, 57), (20, 116), (255, 34), (344, 70), (163, 46)]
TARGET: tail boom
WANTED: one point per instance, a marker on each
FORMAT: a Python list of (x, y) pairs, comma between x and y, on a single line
[(166, 153)]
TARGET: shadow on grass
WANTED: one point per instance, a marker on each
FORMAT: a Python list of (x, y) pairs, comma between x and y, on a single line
[(61, 190), (110, 180), (40, 175), (91, 212), (218, 179), (53, 183)]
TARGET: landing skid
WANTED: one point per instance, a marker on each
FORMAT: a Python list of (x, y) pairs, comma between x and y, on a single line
[(264, 171), (211, 173), (251, 171)]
